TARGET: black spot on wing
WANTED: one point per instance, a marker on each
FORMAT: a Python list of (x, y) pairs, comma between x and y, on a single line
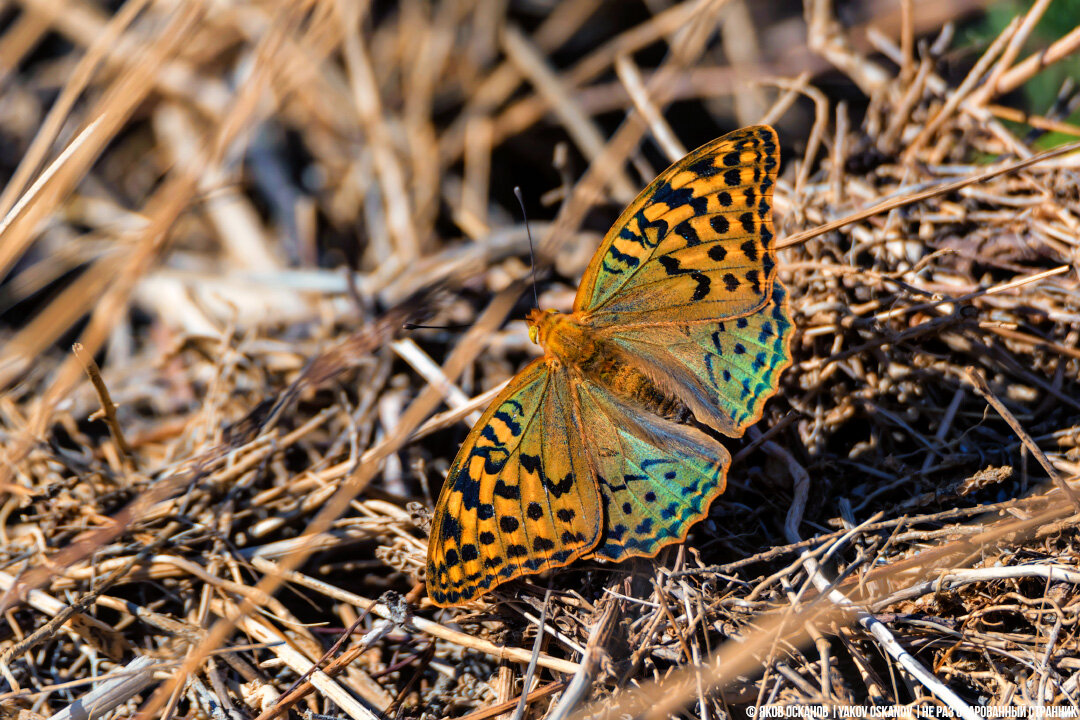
[(691, 488), (686, 231), (710, 370), (702, 290), (767, 263), (670, 264), (633, 236), (752, 278), (451, 529), (672, 267), (507, 491), (674, 198), (468, 488), (557, 488), (716, 342), (628, 260), (705, 167), (744, 389), (531, 463), (749, 249), (494, 459), (660, 225), (717, 253), (561, 487)]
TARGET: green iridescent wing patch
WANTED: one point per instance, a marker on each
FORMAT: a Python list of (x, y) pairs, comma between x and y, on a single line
[(729, 367), (656, 477)]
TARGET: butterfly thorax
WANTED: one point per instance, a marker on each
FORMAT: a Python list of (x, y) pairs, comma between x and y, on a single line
[(564, 338), (570, 342)]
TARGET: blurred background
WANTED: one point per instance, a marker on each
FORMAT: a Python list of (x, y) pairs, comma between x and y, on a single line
[(314, 137)]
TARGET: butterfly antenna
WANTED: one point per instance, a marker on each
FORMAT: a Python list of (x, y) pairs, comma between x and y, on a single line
[(532, 253), (416, 326)]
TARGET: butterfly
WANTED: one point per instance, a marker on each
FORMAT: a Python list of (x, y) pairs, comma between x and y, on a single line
[(584, 454)]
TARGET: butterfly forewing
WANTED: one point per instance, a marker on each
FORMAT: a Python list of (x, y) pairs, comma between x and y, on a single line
[(657, 478), (520, 496), (696, 244)]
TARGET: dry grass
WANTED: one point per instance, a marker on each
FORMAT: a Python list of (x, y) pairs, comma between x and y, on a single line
[(235, 485)]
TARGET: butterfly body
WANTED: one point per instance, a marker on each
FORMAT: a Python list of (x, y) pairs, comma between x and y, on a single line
[(572, 345), (585, 454)]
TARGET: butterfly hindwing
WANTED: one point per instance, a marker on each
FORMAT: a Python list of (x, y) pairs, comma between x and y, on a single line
[(520, 497), (724, 370), (696, 244), (657, 478)]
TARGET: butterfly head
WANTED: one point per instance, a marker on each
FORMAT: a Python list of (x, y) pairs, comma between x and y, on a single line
[(563, 336), (540, 323)]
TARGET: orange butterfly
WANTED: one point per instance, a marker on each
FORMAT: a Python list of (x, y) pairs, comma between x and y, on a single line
[(679, 313)]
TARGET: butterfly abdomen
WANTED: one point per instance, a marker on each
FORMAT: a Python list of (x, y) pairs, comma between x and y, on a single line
[(609, 368)]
